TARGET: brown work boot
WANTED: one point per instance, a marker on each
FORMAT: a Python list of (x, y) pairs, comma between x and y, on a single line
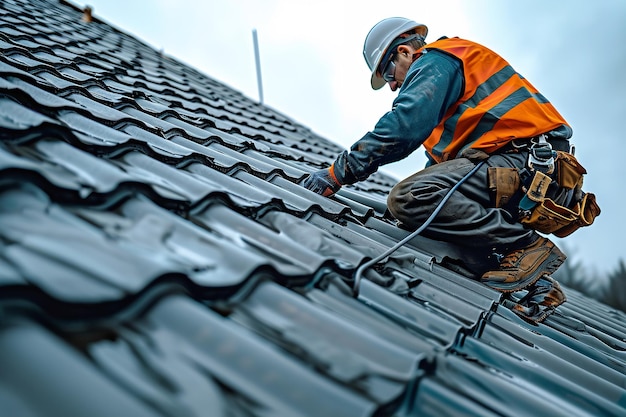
[(525, 266)]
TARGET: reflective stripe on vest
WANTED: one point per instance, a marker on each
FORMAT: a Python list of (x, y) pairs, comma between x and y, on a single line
[(497, 105)]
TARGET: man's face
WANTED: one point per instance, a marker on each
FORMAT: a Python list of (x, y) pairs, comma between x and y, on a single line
[(395, 71)]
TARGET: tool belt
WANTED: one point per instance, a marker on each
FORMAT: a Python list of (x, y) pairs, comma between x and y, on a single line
[(548, 174)]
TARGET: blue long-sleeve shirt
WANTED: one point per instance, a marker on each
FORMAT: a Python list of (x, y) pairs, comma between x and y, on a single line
[(433, 83)]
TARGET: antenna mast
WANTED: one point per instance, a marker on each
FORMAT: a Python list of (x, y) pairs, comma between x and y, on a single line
[(257, 59)]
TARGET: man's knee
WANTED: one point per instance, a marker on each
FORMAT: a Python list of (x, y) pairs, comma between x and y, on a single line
[(405, 201), (393, 201)]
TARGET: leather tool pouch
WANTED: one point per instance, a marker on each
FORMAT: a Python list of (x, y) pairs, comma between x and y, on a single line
[(569, 172), (503, 183), (586, 211), (550, 217)]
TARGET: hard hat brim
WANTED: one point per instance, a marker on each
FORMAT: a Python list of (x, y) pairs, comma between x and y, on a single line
[(377, 82)]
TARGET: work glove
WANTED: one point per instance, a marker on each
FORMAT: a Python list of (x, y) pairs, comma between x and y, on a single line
[(322, 182)]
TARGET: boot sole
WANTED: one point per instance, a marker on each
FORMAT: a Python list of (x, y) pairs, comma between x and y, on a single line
[(554, 260)]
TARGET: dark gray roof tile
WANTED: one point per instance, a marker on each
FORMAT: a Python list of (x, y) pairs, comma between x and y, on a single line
[(499, 328), (366, 245), (34, 93), (9, 32), (101, 111), (30, 384), (100, 273), (24, 60), (340, 349), (74, 74), (371, 200), (497, 392), (257, 372), (293, 197), (285, 169), (27, 43), (45, 41), (243, 195), (106, 96), (7, 70), (303, 234), (91, 131), (55, 79), (585, 390), (16, 117), (437, 298), (429, 324)]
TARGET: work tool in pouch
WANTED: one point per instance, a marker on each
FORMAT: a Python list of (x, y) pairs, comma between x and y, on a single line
[(537, 209)]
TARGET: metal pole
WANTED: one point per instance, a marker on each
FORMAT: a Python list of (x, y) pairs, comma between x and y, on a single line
[(257, 59)]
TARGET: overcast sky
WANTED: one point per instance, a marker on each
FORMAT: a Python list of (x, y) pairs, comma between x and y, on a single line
[(313, 70)]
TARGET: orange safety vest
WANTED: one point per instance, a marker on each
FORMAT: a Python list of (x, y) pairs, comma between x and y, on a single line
[(497, 104)]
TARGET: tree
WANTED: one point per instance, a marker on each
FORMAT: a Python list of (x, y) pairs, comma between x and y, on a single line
[(615, 292), (573, 274)]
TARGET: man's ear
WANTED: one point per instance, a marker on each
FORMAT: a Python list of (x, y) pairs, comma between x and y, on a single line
[(404, 50)]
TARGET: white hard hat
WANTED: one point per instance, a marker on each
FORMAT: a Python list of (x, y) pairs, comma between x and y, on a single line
[(381, 36)]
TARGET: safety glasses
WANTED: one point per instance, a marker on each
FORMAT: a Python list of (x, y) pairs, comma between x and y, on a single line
[(389, 69), (389, 72)]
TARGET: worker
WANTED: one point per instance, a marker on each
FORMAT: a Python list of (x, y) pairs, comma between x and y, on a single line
[(464, 104)]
